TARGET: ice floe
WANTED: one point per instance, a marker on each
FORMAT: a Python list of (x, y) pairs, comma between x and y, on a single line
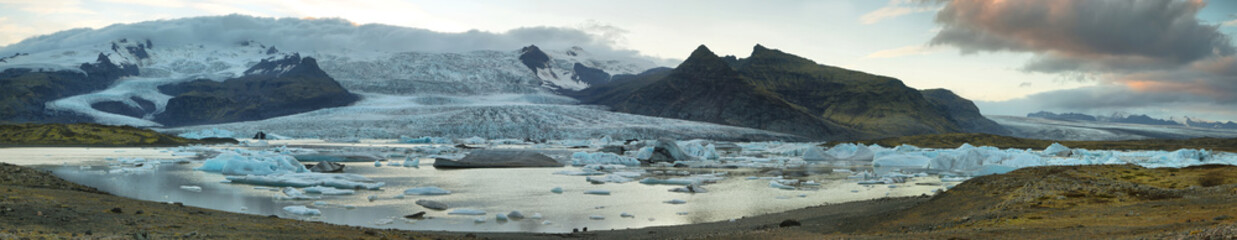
[(302, 210), (427, 191)]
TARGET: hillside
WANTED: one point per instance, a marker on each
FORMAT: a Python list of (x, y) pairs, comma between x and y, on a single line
[(87, 134), (790, 94)]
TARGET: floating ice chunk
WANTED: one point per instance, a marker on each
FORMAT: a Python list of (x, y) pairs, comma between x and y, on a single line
[(290, 193), (586, 158), (557, 190), (320, 203), (598, 192), (424, 140), (608, 179), (191, 188), (401, 196), (597, 217), (371, 198), (412, 162), (516, 215), (500, 217), (1057, 150), (778, 185), (466, 211), (546, 222), (675, 201), (692, 188), (208, 133), (329, 191), (427, 191), (644, 153), (185, 154), (627, 215), (244, 162), (309, 179), (697, 179), (535, 216), (679, 213), (377, 163), (384, 221), (473, 140), (478, 220), (586, 172), (431, 204), (302, 210), (394, 164), (904, 161), (954, 179)]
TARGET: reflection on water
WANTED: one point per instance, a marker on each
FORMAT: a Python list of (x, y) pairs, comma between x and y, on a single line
[(491, 190)]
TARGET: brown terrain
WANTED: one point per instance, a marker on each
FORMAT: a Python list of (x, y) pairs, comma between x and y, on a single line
[(1062, 202)]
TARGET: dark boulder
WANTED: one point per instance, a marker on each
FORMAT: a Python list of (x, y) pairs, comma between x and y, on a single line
[(499, 159), (666, 150), (327, 167), (613, 149)]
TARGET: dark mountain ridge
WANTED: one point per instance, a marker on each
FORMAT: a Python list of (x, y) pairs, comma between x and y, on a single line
[(776, 91)]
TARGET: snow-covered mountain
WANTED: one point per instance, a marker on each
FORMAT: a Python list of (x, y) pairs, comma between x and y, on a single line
[(412, 81), (1075, 130)]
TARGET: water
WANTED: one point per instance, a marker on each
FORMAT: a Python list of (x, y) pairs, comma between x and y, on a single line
[(491, 190)]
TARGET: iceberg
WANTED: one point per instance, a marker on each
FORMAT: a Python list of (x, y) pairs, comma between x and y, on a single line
[(208, 133), (613, 178), (335, 180), (597, 192), (1057, 150), (427, 191), (245, 162), (191, 188), (586, 158), (905, 161), (302, 210), (290, 193), (424, 140), (778, 185), (431, 204), (557, 190), (466, 211), (675, 201), (412, 162), (329, 191)]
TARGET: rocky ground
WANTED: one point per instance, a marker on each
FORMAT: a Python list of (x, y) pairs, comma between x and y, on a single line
[(1062, 202)]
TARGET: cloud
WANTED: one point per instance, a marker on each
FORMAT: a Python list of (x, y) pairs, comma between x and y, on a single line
[(48, 7), (1149, 55), (903, 51), (1230, 23), (895, 8), (1100, 35), (328, 34)]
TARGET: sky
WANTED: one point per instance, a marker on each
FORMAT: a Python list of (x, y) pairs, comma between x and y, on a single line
[(1166, 58)]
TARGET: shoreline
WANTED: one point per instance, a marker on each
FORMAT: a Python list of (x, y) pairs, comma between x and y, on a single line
[(38, 204)]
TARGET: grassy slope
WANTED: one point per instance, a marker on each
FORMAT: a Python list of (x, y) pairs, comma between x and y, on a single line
[(1059, 202), (87, 134), (953, 140)]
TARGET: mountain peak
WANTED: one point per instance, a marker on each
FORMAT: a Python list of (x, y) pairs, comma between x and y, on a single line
[(759, 48), (702, 59)]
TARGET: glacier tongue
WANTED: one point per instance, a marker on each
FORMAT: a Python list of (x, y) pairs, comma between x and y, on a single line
[(491, 117)]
